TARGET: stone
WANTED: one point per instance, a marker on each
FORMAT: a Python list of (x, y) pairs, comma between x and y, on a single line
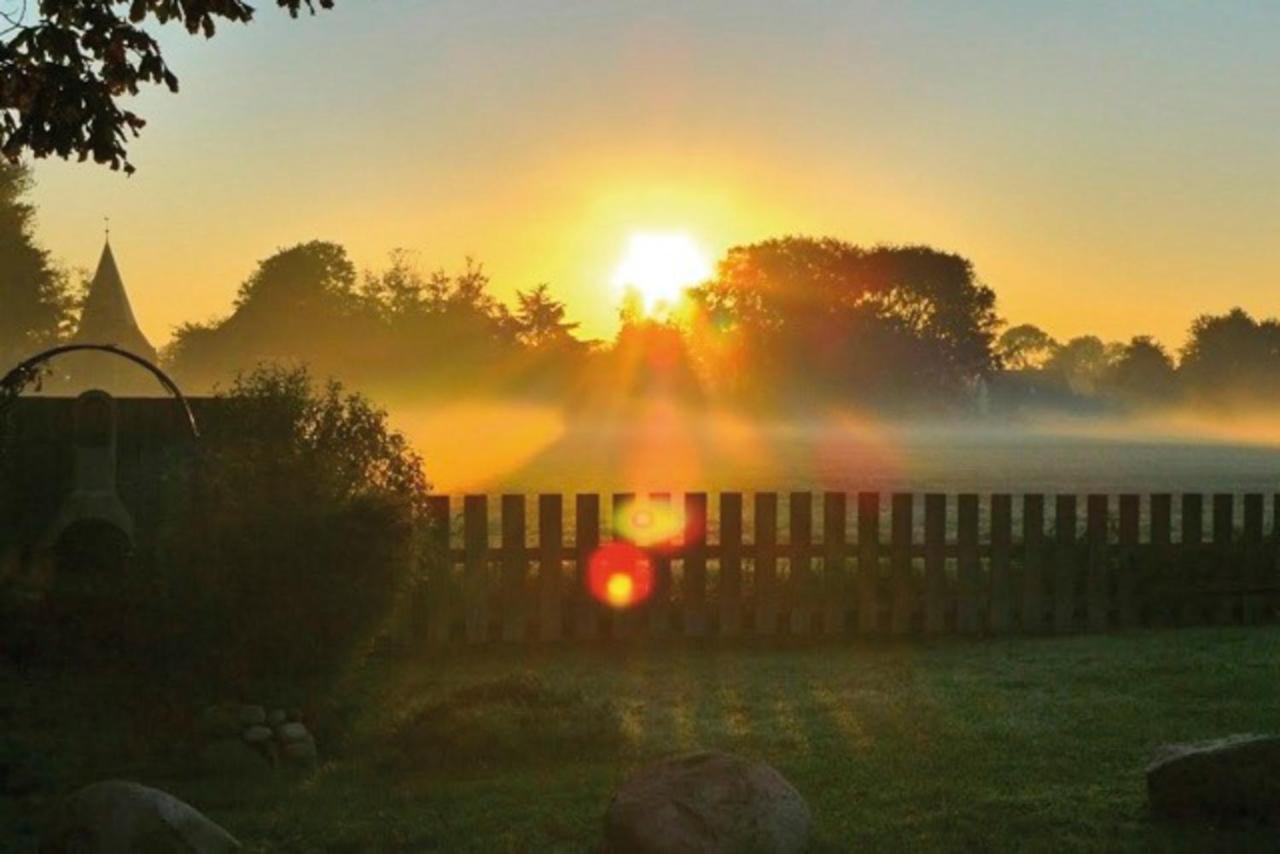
[(276, 717), (231, 757), (257, 734), (116, 816), (706, 801), (252, 716), (1228, 779), (300, 754), (293, 731)]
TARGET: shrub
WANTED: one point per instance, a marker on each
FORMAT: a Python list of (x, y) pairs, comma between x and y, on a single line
[(297, 531)]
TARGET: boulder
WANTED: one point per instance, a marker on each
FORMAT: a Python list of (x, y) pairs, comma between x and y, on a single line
[(293, 731), (706, 802), (1228, 779), (116, 817), (257, 734)]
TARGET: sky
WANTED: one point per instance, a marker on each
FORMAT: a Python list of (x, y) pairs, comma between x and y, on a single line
[(1108, 167)]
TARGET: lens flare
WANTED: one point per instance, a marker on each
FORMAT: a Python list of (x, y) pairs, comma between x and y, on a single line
[(649, 524), (620, 575)]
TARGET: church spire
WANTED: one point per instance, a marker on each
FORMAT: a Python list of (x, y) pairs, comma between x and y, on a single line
[(107, 317)]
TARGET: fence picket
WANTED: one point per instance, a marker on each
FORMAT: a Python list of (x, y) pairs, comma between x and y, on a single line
[(935, 564), (1193, 563), (550, 567), (903, 582), (694, 576), (767, 589), (1271, 571), (586, 539), (623, 622), (1064, 576), (868, 562), (968, 619), (1033, 562), (515, 569), (1159, 570), (834, 573), (1001, 540), (659, 605), (1098, 577), (1223, 565), (729, 591), (1127, 563), (800, 510), (1254, 571), (475, 523), (437, 597)]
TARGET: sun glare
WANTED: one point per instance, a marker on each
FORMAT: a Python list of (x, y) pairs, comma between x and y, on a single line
[(659, 268)]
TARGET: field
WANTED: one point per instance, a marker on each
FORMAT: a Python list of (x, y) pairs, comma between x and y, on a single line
[(999, 745)]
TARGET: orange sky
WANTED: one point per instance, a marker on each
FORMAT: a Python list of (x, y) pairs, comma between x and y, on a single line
[(1110, 170)]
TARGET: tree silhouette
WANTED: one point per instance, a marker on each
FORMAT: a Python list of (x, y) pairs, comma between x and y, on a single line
[(1025, 347), (540, 319), (824, 317), (1081, 364), (1142, 373), (35, 300), (64, 73), (1232, 356)]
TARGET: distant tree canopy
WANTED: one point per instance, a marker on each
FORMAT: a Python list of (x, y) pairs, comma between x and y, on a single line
[(797, 313), (65, 71), (1081, 363), (306, 304), (286, 311), (1232, 357), (1024, 347), (1142, 372), (35, 301)]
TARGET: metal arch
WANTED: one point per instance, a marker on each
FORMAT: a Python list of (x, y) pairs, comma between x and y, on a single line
[(21, 373)]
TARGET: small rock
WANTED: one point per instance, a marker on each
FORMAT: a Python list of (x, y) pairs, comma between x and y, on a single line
[(277, 717), (293, 731), (1232, 778), (706, 802), (231, 757), (119, 816), (300, 754), (252, 715), (257, 734)]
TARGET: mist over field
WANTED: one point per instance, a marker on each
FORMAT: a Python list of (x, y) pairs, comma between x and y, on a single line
[(494, 445)]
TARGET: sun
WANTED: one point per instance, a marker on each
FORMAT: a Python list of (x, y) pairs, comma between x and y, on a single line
[(659, 268)]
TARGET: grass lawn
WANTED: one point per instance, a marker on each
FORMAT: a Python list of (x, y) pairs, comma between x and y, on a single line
[(996, 745)]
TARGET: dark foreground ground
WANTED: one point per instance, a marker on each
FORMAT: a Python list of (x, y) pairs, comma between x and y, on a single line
[(1003, 746)]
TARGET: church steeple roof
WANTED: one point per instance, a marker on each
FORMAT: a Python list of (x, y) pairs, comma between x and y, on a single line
[(107, 317)]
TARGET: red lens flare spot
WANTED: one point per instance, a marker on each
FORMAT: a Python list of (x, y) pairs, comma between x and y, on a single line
[(620, 575)]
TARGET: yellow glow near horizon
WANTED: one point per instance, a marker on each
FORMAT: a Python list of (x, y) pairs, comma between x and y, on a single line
[(660, 267)]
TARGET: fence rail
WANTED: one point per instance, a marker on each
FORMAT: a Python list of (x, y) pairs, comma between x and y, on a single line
[(872, 565)]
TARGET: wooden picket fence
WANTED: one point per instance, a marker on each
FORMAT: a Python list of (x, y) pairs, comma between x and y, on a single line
[(963, 571)]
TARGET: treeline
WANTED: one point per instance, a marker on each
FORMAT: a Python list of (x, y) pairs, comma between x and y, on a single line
[(783, 323), (1230, 359)]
